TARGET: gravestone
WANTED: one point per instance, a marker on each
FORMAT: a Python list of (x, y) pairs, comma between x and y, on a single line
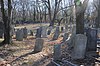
[(57, 52), (56, 34), (98, 33), (44, 31), (92, 39), (38, 45), (25, 33), (49, 30), (19, 35), (65, 37), (28, 32), (38, 32), (79, 47)]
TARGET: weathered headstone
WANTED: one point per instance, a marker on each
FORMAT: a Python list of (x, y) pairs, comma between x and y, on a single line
[(25, 33), (56, 34), (38, 45), (92, 39), (19, 35), (98, 33), (44, 31), (57, 52), (79, 47), (38, 33)]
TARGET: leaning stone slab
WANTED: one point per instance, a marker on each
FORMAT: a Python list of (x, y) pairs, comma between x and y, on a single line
[(79, 47), (19, 35), (38, 45)]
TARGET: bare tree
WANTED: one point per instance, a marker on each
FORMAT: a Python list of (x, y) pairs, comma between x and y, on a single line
[(7, 22), (80, 16)]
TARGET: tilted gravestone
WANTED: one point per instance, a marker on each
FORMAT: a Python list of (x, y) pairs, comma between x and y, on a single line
[(39, 32), (38, 45), (19, 35), (79, 47), (56, 34), (44, 31), (92, 39), (25, 33), (57, 52)]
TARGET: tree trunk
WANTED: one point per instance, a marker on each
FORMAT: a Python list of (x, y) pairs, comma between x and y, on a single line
[(7, 22), (80, 9), (80, 23), (98, 17)]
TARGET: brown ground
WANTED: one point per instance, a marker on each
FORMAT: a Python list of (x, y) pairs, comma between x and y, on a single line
[(19, 53)]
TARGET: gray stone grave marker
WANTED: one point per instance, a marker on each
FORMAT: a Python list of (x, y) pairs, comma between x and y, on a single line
[(92, 39), (44, 31), (57, 52), (49, 30), (39, 32), (25, 33), (56, 34), (38, 45), (98, 33), (79, 47), (19, 35)]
